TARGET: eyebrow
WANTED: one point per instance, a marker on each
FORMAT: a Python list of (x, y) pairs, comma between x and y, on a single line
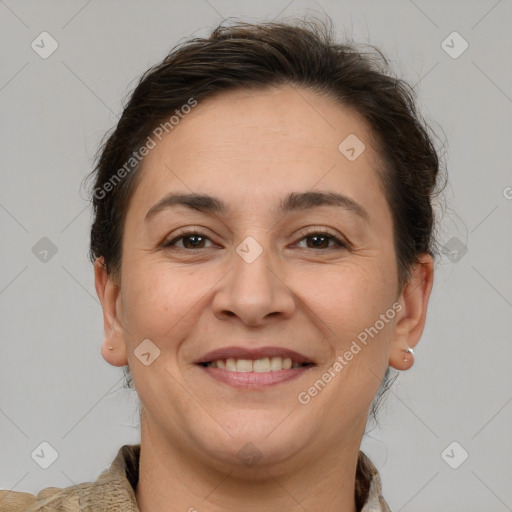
[(295, 201)]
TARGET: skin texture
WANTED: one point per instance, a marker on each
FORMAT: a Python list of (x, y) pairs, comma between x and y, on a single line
[(250, 149)]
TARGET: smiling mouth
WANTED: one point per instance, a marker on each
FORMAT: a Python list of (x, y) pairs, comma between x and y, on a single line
[(263, 365)]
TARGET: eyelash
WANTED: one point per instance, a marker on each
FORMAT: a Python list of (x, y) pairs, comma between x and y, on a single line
[(341, 244)]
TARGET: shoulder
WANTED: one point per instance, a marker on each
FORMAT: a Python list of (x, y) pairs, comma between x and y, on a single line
[(54, 497), (113, 491), (13, 501)]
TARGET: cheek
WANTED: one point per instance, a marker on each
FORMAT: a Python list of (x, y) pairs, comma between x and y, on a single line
[(350, 301), (163, 302), (361, 296), (151, 300), (355, 291)]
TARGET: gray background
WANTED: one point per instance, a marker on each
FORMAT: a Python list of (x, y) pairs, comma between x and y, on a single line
[(54, 384)]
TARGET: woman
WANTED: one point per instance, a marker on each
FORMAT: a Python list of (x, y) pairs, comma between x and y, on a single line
[(263, 252)]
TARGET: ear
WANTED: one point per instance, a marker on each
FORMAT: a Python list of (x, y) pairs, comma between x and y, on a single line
[(109, 294), (411, 318)]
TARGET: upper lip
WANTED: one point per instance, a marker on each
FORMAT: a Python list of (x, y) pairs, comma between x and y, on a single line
[(253, 353)]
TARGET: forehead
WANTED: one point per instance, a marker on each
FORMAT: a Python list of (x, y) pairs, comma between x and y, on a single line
[(250, 145)]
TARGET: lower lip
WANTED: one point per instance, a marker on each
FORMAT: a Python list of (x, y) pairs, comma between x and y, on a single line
[(253, 380)]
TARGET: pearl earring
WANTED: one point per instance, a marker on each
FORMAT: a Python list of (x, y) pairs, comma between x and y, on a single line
[(408, 351)]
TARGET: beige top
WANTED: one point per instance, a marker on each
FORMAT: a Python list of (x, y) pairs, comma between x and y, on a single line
[(114, 490)]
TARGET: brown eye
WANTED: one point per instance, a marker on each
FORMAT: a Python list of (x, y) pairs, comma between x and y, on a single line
[(321, 240), (191, 240), (318, 241), (195, 241)]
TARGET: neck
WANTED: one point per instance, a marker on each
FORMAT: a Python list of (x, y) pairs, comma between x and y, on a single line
[(170, 479)]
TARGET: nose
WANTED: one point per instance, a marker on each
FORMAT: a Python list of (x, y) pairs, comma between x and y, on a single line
[(254, 290)]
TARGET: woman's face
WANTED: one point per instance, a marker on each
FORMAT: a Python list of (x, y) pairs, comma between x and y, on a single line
[(256, 276)]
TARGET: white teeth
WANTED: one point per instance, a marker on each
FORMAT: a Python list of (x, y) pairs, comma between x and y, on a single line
[(244, 365), (261, 365), (230, 364), (276, 363), (264, 365)]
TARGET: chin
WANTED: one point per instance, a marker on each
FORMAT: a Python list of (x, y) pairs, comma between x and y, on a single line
[(255, 446)]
